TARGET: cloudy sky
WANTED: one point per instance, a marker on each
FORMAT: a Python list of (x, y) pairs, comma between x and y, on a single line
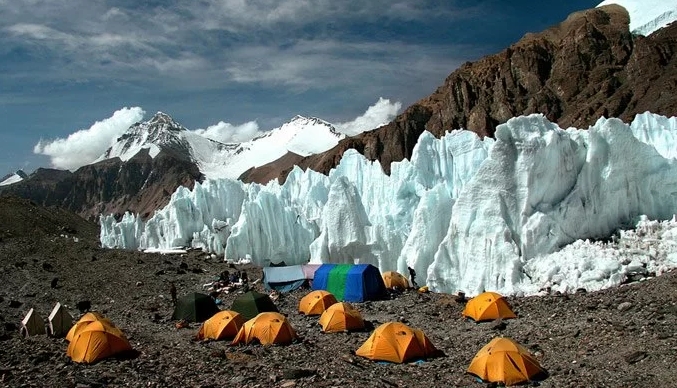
[(74, 71)]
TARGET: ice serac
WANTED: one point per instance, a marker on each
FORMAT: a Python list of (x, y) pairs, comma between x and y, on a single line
[(299, 206), (270, 229), (200, 218), (344, 230), (467, 214), (543, 188), (659, 131), (643, 251)]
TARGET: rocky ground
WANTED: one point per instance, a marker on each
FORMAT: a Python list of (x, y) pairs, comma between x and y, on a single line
[(623, 337)]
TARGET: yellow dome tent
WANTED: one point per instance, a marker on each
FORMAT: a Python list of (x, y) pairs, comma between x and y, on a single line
[(85, 320), (394, 279), (504, 361), (268, 328), (397, 342), (488, 306), (97, 341), (223, 325), (316, 302), (341, 317)]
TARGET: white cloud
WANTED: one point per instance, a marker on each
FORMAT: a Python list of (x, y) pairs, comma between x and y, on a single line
[(376, 115), (229, 133), (265, 43), (86, 145), (240, 15), (42, 32)]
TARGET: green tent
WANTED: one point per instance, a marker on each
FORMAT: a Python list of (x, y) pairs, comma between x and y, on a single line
[(252, 303), (195, 307)]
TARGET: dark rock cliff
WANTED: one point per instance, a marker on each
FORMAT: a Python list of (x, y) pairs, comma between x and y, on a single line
[(140, 185)]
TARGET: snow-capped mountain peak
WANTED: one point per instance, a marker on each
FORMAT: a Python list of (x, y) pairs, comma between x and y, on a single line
[(308, 135), (301, 135), (647, 16), (164, 122), (161, 131)]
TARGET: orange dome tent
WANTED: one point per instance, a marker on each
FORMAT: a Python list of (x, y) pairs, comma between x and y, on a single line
[(85, 320), (223, 325), (268, 328), (97, 341), (394, 279), (397, 342), (504, 361), (341, 317), (316, 302), (488, 306)]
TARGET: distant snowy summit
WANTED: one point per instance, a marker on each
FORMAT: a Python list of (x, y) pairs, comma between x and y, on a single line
[(647, 16), (161, 132), (15, 177), (301, 135)]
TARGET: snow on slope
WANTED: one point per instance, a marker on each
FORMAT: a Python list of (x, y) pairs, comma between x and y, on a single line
[(310, 136), (467, 214), (647, 16), (14, 178), (303, 136)]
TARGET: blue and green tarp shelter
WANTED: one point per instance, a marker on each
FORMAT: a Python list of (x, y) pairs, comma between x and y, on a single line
[(350, 283)]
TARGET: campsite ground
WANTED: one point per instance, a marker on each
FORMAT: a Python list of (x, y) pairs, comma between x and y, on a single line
[(623, 337)]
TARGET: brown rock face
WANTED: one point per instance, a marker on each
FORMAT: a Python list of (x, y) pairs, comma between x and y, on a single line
[(140, 185), (586, 67)]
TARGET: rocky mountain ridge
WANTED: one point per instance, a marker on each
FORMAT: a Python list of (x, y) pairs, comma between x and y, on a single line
[(586, 67), (140, 184)]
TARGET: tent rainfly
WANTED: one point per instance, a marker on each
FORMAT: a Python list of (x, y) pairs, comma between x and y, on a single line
[(32, 324), (223, 325), (96, 341), (350, 283), (398, 343), (316, 302), (288, 278), (89, 317), (341, 317), (252, 303), (488, 306), (195, 307), (60, 321), (393, 279), (505, 361), (268, 329), (284, 279)]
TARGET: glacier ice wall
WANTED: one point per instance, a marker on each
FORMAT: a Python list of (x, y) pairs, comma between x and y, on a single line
[(467, 214)]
